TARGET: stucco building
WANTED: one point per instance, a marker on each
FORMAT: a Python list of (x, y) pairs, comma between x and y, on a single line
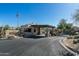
[(41, 30)]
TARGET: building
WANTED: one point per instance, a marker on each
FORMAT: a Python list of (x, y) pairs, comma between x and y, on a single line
[(11, 32), (8, 32), (36, 30)]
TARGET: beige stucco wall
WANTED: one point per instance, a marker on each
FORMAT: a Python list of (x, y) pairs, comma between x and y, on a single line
[(32, 30), (10, 32)]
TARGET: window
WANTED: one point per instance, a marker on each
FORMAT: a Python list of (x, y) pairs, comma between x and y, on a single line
[(34, 30), (27, 30)]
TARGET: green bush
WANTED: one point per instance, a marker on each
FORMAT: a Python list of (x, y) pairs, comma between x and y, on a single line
[(74, 41), (70, 37), (76, 37)]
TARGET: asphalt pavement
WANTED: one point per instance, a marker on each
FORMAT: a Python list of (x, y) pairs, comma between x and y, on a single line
[(32, 47)]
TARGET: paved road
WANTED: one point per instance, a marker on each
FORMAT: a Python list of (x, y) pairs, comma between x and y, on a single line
[(32, 47)]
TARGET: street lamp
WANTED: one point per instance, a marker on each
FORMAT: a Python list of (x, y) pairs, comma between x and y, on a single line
[(17, 16)]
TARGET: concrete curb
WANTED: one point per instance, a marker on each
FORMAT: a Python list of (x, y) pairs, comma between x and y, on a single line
[(61, 42)]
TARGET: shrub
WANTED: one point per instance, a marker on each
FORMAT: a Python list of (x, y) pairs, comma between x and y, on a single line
[(76, 37), (74, 41), (70, 37)]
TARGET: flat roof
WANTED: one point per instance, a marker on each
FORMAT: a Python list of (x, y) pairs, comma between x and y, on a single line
[(43, 26)]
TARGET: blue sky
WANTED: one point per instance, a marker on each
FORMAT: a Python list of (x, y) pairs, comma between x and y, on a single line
[(37, 13)]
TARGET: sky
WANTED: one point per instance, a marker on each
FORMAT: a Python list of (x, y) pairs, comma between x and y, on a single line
[(37, 13)]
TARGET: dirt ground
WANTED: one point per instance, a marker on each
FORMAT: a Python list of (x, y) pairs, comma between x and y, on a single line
[(69, 43)]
